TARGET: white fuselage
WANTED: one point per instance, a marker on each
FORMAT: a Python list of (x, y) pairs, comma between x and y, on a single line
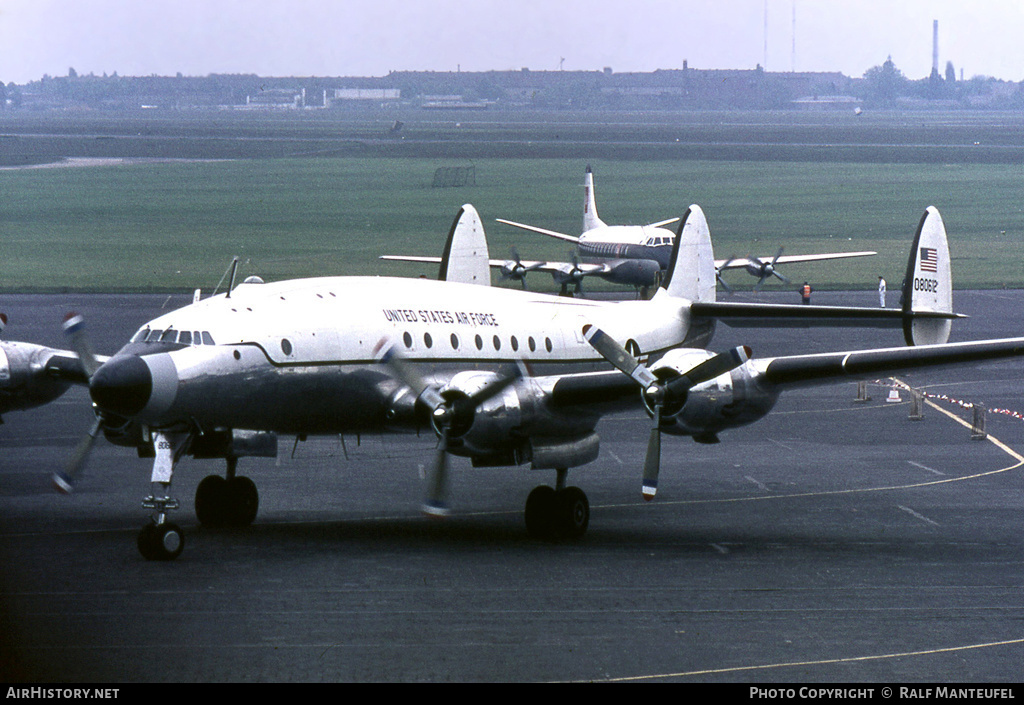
[(613, 242), (300, 356)]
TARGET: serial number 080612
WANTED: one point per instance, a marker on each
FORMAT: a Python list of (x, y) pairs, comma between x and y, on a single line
[(926, 285)]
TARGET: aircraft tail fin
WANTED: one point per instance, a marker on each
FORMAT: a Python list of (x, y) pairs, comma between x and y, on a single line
[(928, 285), (590, 219), (466, 259), (691, 269)]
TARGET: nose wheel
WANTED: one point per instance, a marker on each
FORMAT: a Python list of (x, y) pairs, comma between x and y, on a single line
[(161, 542)]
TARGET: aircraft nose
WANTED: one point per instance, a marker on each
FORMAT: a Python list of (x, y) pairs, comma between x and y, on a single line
[(122, 385)]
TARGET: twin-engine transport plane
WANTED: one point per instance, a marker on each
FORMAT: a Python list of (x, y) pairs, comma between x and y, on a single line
[(505, 377)]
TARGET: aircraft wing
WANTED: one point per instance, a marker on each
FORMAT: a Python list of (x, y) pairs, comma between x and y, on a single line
[(553, 268), (742, 262), (802, 370), (753, 315), (601, 391), (412, 258), (534, 229)]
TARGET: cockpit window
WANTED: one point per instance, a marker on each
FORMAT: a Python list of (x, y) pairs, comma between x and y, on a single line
[(172, 335)]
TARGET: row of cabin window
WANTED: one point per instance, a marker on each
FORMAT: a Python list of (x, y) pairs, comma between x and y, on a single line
[(183, 337), (428, 342)]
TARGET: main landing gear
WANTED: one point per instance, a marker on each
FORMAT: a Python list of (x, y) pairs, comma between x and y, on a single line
[(230, 501), (557, 513)]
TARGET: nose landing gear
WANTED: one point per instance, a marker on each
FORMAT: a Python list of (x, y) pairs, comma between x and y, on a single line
[(161, 540)]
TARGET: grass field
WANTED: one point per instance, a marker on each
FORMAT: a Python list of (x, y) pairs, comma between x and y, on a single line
[(174, 226)]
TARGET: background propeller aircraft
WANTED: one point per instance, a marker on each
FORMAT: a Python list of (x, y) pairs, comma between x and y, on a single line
[(638, 255), (504, 377), (634, 255)]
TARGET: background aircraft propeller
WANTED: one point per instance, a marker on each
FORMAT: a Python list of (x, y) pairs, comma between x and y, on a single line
[(451, 414), (764, 270), (572, 275), (514, 269), (659, 393), (718, 275)]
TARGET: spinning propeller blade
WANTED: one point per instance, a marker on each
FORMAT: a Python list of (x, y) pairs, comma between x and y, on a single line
[(74, 328), (64, 481), (659, 392), (446, 414), (514, 269)]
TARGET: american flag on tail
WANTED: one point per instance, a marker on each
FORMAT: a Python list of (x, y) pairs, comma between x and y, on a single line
[(929, 259)]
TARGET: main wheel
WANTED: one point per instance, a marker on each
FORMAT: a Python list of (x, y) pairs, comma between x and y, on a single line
[(572, 513), (243, 501), (161, 542), (221, 502), (539, 514), (211, 501)]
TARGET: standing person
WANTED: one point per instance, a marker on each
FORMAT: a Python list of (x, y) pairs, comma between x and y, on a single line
[(805, 293), (881, 292)]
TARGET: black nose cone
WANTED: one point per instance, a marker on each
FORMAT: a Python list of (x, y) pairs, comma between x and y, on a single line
[(122, 385)]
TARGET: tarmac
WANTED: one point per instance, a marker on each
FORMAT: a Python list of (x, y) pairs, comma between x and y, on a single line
[(834, 541)]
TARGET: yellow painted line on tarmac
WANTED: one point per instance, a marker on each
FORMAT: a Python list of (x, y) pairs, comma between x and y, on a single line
[(761, 498), (995, 441), (822, 662)]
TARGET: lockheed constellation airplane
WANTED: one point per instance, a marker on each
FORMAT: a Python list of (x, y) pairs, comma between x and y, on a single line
[(636, 255), (504, 377)]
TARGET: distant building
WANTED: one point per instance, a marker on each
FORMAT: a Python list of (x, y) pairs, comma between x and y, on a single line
[(277, 99), (375, 94)]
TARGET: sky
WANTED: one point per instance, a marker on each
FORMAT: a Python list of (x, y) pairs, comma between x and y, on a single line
[(373, 37)]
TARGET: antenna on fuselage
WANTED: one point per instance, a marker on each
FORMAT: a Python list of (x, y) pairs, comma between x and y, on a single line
[(230, 275)]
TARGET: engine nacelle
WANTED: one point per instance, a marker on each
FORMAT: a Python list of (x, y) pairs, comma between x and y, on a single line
[(733, 399), (634, 272), (29, 376), (516, 426)]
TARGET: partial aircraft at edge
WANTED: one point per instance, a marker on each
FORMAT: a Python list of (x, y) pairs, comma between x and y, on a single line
[(505, 377), (634, 255)]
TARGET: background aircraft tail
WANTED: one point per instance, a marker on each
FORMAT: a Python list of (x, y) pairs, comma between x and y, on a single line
[(590, 219), (466, 259), (691, 269), (928, 286)]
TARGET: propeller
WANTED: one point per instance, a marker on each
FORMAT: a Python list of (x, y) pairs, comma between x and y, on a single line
[(74, 329), (514, 269), (764, 270), (718, 275), (572, 275), (451, 414), (659, 393)]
